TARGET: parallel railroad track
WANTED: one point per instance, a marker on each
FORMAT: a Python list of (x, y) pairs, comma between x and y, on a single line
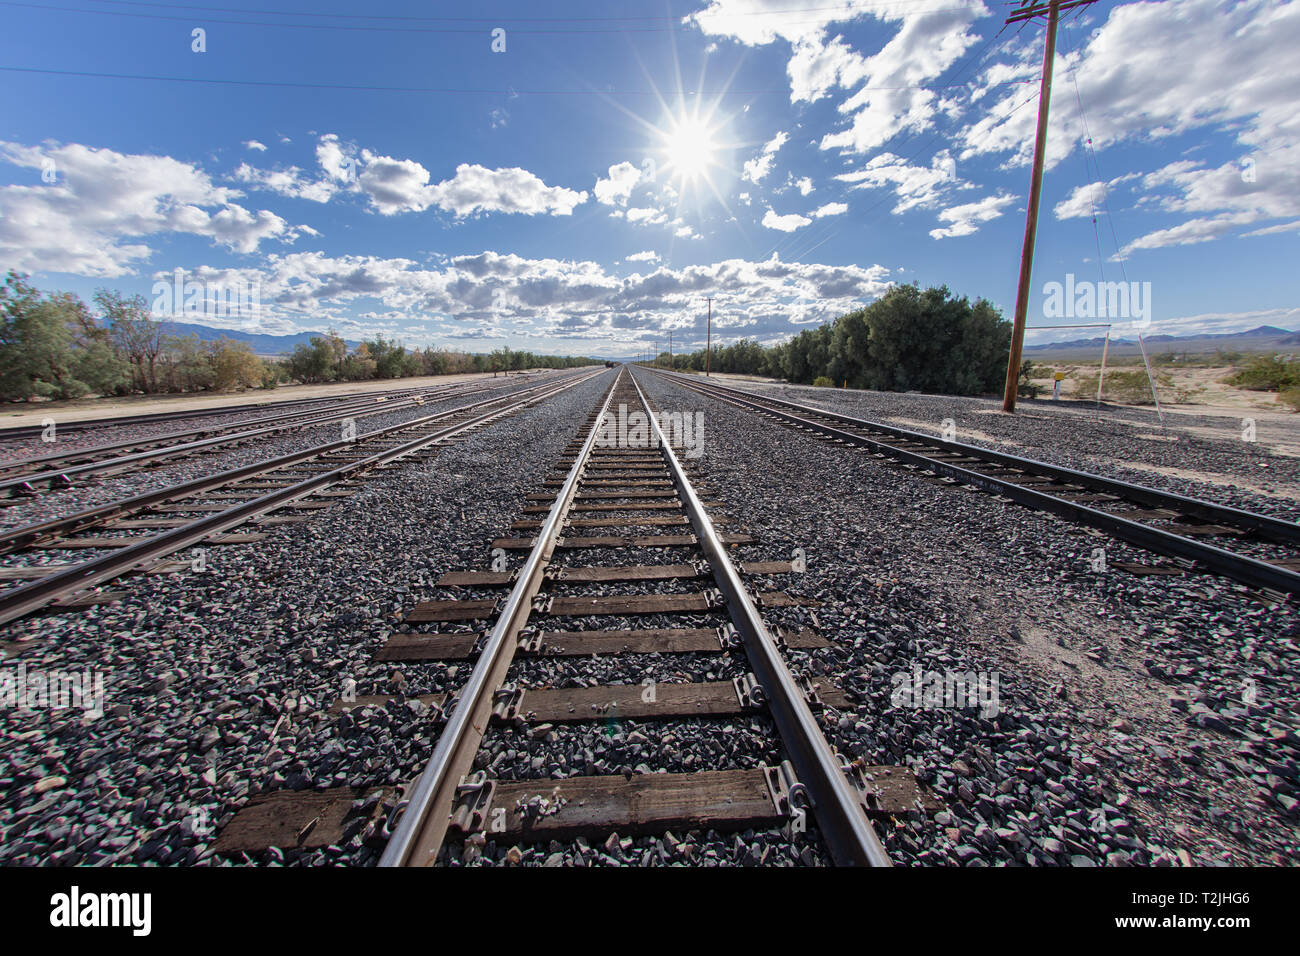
[(1199, 535), (600, 505), (22, 478), (133, 534), (23, 432)]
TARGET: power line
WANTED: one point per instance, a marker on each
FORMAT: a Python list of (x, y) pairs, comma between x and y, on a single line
[(675, 27), (1089, 181), (848, 9), (434, 89), (1091, 149)]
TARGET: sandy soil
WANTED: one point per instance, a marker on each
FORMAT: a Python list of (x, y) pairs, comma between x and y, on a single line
[(1214, 399), (153, 404), (1203, 386)]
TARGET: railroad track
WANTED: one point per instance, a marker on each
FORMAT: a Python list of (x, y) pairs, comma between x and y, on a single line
[(21, 432), (1257, 550), (134, 534), (574, 595), (22, 478)]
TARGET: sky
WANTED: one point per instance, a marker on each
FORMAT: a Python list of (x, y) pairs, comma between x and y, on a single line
[(583, 178)]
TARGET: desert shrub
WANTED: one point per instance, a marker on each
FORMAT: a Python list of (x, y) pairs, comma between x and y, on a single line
[(1129, 387), (821, 381), (1265, 374)]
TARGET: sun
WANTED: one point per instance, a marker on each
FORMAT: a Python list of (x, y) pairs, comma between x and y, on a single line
[(691, 148)]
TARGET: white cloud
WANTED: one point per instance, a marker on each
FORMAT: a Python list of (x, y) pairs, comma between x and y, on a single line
[(646, 256), (339, 164), (966, 219), (759, 22), (805, 186), (240, 230), (646, 215), (1083, 203), (923, 186), (286, 182), (402, 185), (91, 219), (615, 190), (479, 189), (1145, 100), (1192, 231), (1274, 230), (761, 165), (254, 144), (930, 40), (394, 185), (817, 66), (786, 223), (491, 295), (830, 209)]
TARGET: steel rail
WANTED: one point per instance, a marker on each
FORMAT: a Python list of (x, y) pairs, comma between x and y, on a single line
[(1247, 570), (26, 535), (123, 462), (837, 803), (20, 601), (19, 432), (1276, 529), (230, 436), (423, 824)]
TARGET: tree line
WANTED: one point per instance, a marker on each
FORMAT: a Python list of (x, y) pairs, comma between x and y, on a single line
[(54, 346), (910, 339), (326, 358)]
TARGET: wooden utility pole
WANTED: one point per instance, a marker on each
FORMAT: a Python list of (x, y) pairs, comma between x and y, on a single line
[(1028, 11), (708, 340), (670, 350)]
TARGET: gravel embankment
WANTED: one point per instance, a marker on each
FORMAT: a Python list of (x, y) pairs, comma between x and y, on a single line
[(217, 685), (95, 490), (109, 432), (105, 430), (1201, 455), (1140, 720)]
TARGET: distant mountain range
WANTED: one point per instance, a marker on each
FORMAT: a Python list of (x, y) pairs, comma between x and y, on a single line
[(267, 346), (1265, 338)]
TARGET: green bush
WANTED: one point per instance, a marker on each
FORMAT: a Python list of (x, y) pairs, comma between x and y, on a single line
[(1126, 387), (1267, 373), (909, 339), (1291, 397), (1024, 387)]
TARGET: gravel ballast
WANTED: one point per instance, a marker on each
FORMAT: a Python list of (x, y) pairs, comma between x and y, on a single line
[(1136, 721), (1204, 456), (1140, 720), (217, 685)]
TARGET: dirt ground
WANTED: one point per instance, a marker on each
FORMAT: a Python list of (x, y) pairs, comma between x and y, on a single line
[(1209, 396), (1202, 386), (152, 404)]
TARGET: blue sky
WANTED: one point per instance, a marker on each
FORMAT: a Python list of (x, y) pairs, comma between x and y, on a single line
[(584, 190)]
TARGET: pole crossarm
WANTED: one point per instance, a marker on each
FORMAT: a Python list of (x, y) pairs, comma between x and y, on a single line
[(1044, 9)]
